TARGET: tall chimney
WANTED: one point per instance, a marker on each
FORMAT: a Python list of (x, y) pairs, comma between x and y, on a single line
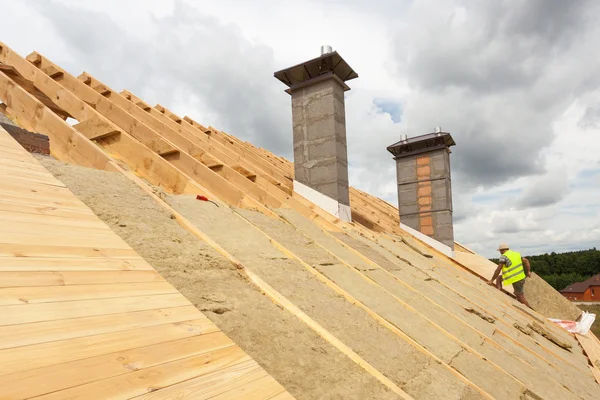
[(317, 89), (424, 184)]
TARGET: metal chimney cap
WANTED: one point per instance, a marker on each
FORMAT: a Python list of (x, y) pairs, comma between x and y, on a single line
[(403, 137), (326, 49), (438, 129)]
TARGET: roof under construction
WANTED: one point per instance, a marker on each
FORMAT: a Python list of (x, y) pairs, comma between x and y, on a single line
[(120, 281)]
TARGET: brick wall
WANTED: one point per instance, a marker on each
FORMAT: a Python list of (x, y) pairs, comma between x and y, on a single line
[(32, 142), (424, 195)]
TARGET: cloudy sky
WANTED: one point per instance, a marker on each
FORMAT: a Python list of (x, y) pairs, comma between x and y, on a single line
[(516, 82)]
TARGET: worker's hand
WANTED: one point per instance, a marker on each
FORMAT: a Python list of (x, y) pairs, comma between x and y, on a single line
[(529, 274), (490, 283)]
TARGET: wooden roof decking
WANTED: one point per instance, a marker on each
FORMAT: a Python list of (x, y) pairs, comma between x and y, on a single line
[(83, 316)]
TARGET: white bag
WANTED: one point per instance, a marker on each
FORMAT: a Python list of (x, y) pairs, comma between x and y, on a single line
[(581, 327)]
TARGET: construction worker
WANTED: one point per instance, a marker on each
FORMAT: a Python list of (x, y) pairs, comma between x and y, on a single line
[(511, 264)]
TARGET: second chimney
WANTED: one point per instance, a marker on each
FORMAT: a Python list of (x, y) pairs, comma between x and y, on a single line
[(317, 89), (424, 184)]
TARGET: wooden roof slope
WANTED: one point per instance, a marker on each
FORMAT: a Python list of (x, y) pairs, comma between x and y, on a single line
[(83, 316), (408, 284)]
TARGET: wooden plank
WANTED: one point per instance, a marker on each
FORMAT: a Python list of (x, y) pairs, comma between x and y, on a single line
[(56, 278), (26, 384), (35, 294), (13, 150), (11, 207), (39, 239), (18, 161), (591, 346), (14, 264), (15, 155), (56, 230), (28, 313), (27, 214), (55, 330), (264, 387), (39, 200), (30, 179), (63, 252), (96, 128), (19, 359), (283, 396), (16, 172), (239, 381), (10, 163), (151, 379), (50, 191)]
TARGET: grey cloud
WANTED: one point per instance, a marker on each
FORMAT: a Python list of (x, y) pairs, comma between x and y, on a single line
[(554, 22), (590, 118), (189, 58), (506, 227), (548, 190), (502, 45), (496, 75)]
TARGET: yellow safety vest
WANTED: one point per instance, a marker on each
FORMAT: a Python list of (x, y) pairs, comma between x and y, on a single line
[(515, 272)]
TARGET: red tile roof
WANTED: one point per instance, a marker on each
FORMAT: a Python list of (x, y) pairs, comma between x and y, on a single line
[(580, 287)]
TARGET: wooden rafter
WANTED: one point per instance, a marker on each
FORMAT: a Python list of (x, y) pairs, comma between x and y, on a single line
[(164, 154)]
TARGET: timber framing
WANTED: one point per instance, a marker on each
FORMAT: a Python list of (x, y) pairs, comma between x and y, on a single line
[(121, 121)]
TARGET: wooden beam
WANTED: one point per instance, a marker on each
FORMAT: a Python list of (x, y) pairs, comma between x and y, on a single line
[(68, 144), (65, 143), (146, 160), (96, 129), (171, 121), (236, 152), (319, 216), (189, 157), (11, 72), (128, 124)]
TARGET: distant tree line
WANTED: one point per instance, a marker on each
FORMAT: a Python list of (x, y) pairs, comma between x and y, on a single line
[(562, 269)]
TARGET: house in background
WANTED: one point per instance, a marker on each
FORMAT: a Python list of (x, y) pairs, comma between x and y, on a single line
[(588, 290)]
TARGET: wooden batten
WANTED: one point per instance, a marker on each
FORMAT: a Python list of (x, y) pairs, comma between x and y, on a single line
[(137, 156), (96, 129), (52, 71)]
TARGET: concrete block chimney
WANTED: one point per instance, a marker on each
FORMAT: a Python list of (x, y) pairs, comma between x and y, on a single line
[(317, 89), (424, 184)]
